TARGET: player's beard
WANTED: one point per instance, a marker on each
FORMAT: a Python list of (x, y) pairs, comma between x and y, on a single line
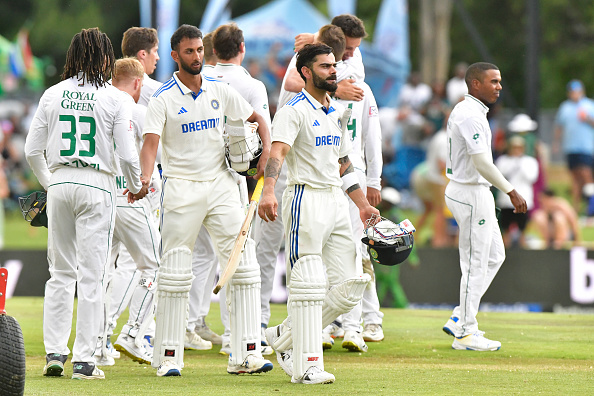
[(189, 69), (325, 84)]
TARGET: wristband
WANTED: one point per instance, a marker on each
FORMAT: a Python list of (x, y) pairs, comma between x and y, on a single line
[(349, 180)]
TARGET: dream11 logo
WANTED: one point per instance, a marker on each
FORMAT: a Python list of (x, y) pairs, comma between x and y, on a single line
[(581, 281)]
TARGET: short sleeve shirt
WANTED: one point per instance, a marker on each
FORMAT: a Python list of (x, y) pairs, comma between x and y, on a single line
[(191, 126), (578, 136), (468, 134), (317, 140)]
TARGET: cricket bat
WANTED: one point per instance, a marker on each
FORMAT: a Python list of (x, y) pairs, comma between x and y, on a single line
[(241, 238)]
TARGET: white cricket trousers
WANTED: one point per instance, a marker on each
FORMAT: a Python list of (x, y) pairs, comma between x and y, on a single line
[(480, 245), (317, 222), (81, 214)]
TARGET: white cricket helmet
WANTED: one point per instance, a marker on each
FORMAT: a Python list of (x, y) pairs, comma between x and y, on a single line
[(243, 147), (388, 243)]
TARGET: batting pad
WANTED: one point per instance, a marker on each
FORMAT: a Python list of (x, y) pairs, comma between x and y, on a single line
[(343, 297), (244, 306), (174, 280), (141, 308), (307, 289)]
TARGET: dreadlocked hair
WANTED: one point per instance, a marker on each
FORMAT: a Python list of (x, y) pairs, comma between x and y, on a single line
[(91, 53)]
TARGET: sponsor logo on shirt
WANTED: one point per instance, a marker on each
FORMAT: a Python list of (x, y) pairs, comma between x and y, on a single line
[(182, 111), (200, 125), (328, 140), (316, 123), (373, 111)]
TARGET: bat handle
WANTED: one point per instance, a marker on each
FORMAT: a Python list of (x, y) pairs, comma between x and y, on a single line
[(217, 289)]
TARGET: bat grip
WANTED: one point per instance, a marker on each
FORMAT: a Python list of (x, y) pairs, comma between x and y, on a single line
[(258, 190)]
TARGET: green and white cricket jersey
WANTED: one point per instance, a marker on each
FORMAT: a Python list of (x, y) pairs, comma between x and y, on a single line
[(468, 134), (81, 126), (149, 86)]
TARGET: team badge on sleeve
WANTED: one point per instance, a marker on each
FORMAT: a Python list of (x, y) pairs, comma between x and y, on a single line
[(215, 104)]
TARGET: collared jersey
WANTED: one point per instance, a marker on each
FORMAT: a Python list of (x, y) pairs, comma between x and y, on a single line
[(468, 134), (78, 125), (248, 87), (316, 138), (191, 126), (365, 135), (149, 86)]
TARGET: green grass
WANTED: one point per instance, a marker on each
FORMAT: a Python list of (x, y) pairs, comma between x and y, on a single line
[(18, 234), (542, 353)]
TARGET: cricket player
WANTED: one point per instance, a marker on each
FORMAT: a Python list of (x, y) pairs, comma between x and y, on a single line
[(471, 171), (80, 126), (310, 131), (135, 227), (143, 44), (187, 115)]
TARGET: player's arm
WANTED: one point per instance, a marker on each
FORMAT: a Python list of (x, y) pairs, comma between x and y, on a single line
[(35, 145), (347, 90), (264, 133), (303, 39), (123, 136), (484, 165), (350, 185), (294, 82), (268, 207), (372, 141)]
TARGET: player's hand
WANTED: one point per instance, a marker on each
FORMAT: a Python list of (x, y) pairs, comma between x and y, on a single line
[(262, 163), (518, 201), (347, 90), (302, 39), (140, 194), (366, 212), (374, 196), (268, 206)]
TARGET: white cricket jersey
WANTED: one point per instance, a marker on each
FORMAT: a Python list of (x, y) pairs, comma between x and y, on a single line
[(468, 134), (191, 125), (149, 86), (316, 139), (79, 126), (353, 67), (138, 115), (248, 87), (365, 135)]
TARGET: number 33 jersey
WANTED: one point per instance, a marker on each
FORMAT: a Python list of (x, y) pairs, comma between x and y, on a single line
[(79, 126)]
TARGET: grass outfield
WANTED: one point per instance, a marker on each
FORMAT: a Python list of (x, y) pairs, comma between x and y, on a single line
[(542, 353)]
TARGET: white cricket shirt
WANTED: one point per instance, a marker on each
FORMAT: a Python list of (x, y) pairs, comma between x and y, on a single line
[(468, 134), (248, 87), (149, 86), (316, 139), (191, 125), (78, 125), (365, 135)]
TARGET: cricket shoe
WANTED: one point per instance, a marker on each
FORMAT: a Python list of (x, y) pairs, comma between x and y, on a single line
[(194, 341), (284, 358), (327, 341), (373, 332), (251, 365), (86, 371), (314, 375), (476, 342), (225, 349), (168, 368), (126, 344), (334, 329), (451, 327), (353, 341), (208, 335), (266, 348), (54, 365)]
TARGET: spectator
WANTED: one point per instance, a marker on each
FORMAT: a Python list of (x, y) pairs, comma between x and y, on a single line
[(436, 109), (415, 93), (575, 123), (556, 220), (522, 171), (456, 87)]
